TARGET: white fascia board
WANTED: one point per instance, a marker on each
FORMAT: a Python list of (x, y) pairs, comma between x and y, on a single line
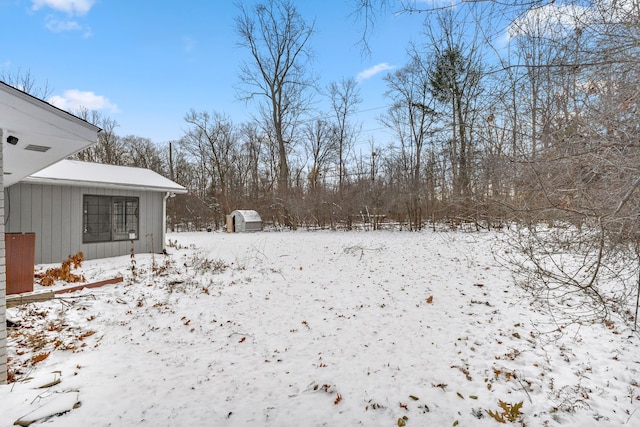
[(97, 184)]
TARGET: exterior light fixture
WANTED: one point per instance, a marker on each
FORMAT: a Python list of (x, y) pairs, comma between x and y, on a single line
[(13, 140)]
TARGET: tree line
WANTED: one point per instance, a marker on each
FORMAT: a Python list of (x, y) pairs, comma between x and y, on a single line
[(540, 128)]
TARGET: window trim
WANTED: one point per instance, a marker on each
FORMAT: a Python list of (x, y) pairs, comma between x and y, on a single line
[(122, 211)]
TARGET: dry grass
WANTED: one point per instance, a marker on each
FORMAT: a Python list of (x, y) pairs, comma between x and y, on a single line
[(49, 277), (38, 335)]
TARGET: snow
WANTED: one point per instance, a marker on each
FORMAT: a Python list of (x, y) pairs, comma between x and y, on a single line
[(317, 328), (57, 405)]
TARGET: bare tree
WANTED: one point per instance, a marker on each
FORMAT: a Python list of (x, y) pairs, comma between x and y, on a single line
[(212, 140), (24, 81), (345, 97), (455, 76), (184, 170), (321, 146), (411, 117), (143, 153), (537, 48), (367, 12), (277, 75), (251, 160), (585, 177), (109, 148)]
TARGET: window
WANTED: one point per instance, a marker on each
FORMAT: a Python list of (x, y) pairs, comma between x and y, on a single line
[(107, 218)]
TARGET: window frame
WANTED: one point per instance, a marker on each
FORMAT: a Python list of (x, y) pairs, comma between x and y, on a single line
[(114, 218)]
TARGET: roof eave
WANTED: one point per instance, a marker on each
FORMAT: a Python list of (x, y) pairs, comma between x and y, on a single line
[(50, 107), (78, 183)]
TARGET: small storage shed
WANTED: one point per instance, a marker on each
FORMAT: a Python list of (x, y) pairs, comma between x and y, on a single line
[(244, 220)]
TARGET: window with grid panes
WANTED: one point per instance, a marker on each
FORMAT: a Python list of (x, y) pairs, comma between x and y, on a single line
[(109, 218)]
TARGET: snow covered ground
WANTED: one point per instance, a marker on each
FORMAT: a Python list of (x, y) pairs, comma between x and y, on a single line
[(315, 328)]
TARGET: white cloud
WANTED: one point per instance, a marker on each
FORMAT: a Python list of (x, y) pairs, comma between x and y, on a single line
[(74, 100), (57, 26), (376, 69), (552, 20), (72, 7), (189, 44)]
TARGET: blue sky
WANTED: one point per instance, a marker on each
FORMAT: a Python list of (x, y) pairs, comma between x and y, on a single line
[(146, 63)]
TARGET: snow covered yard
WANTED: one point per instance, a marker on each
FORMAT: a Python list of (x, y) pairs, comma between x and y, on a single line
[(316, 328)]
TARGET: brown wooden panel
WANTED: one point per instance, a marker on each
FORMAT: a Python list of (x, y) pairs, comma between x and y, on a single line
[(20, 258)]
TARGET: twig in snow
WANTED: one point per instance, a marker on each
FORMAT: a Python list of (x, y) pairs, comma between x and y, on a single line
[(361, 249), (630, 415), (523, 387)]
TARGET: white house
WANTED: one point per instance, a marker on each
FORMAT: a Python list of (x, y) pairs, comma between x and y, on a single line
[(33, 135)]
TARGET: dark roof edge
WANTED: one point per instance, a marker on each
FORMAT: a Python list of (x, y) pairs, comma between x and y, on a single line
[(58, 111)]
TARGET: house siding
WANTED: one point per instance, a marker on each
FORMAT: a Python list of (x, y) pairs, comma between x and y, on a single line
[(3, 281), (54, 214)]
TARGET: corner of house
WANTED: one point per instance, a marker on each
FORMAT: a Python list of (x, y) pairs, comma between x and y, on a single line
[(3, 280)]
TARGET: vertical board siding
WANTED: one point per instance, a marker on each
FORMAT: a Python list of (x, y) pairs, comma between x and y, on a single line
[(66, 223), (22, 203), (75, 218), (149, 218), (34, 212), (54, 213), (63, 219), (55, 218)]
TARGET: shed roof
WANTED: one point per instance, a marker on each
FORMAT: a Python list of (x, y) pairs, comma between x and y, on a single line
[(80, 174), (248, 215)]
